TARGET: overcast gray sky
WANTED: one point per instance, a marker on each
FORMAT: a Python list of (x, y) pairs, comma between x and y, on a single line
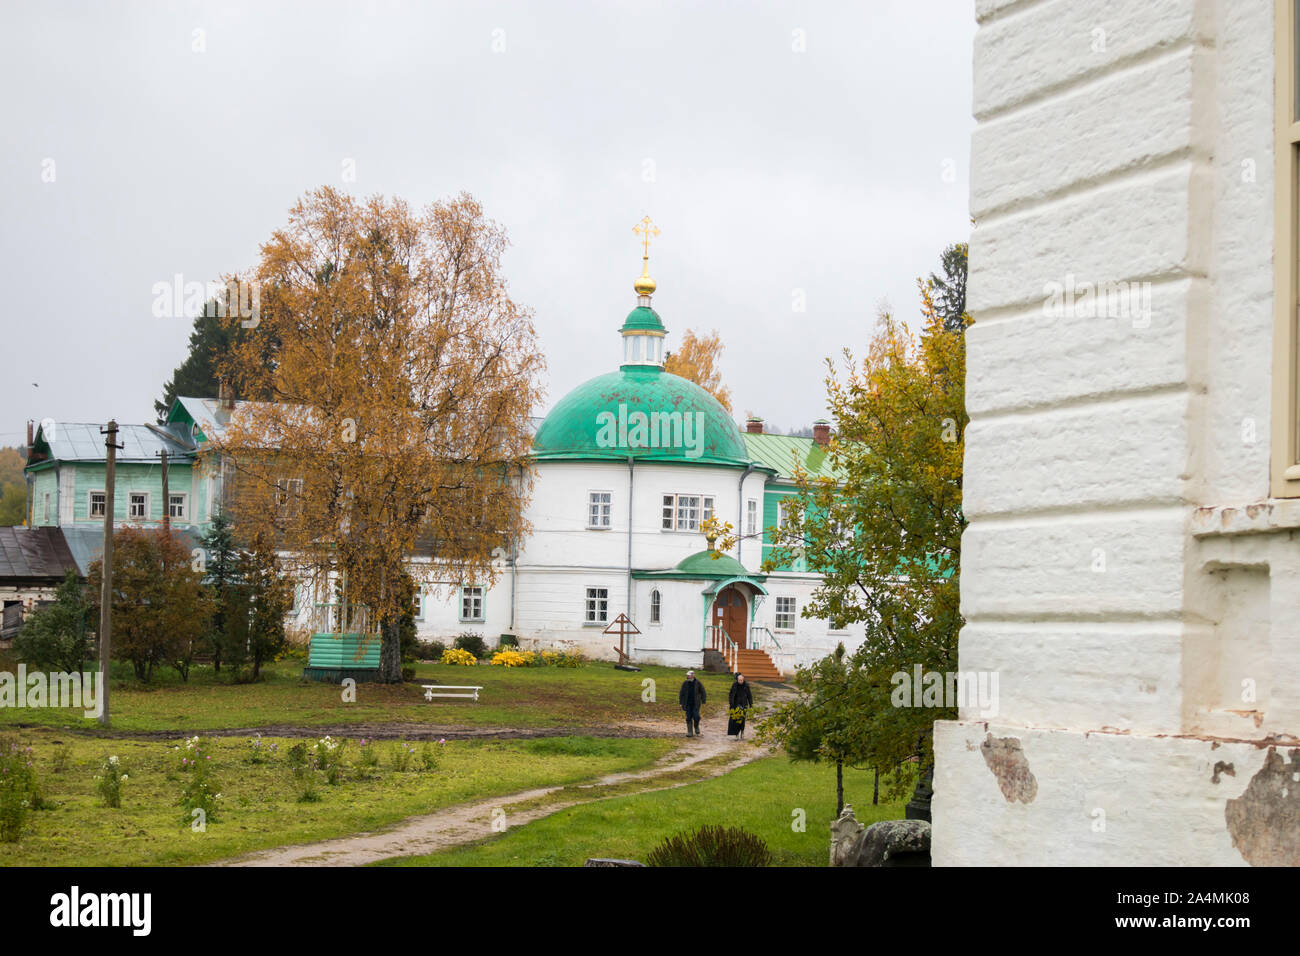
[(782, 148)]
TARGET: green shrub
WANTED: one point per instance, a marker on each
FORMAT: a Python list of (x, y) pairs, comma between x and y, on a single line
[(297, 756), (329, 759), (712, 846), (19, 788), (108, 784), (305, 777), (430, 650), (259, 752), (553, 658), (62, 758), (302, 764), (402, 753), (473, 643), (430, 754), (200, 790), (367, 759), (408, 672)]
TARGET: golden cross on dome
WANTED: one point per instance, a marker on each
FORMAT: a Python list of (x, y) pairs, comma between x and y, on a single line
[(646, 230)]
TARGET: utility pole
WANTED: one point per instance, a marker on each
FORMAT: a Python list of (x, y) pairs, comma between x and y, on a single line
[(167, 501), (106, 588)]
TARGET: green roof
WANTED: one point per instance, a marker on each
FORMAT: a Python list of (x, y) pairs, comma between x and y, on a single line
[(642, 319), (641, 412), (704, 562), (782, 452), (703, 565)]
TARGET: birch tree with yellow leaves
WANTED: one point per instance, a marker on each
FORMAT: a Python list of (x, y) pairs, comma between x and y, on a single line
[(887, 535), (697, 359), (399, 384)]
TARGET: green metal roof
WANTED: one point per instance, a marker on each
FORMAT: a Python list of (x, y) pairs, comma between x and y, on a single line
[(702, 565), (642, 319), (600, 418), (704, 562), (782, 452)]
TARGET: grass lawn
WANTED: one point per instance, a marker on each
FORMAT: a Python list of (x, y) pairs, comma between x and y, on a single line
[(761, 797), (260, 808), (594, 696)]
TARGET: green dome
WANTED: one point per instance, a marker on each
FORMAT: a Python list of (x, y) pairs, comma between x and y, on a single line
[(642, 319), (640, 411), (704, 563)]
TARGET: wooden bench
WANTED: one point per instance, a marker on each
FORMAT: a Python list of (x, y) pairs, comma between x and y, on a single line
[(430, 695)]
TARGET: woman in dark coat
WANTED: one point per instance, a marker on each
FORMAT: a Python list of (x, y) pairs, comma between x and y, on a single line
[(739, 696)]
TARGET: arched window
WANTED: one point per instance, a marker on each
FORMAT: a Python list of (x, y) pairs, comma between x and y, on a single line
[(655, 601)]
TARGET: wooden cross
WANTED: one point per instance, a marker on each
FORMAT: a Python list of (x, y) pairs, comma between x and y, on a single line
[(624, 628)]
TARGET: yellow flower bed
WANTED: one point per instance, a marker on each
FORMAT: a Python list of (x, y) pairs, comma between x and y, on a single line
[(456, 655), (514, 658)]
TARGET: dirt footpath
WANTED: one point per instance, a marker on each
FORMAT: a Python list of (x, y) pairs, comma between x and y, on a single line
[(469, 822)]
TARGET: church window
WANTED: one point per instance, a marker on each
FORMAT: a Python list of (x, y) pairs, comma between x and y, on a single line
[(786, 609), (655, 603), (688, 512), (685, 512), (471, 604), (597, 605), (599, 505), (751, 517)]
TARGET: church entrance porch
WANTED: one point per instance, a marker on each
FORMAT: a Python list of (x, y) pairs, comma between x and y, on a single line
[(731, 614), (728, 631)]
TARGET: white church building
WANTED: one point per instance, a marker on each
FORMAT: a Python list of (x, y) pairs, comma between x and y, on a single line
[(1131, 569), (627, 466)]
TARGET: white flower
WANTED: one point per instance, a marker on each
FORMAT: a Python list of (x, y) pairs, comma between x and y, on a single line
[(112, 760)]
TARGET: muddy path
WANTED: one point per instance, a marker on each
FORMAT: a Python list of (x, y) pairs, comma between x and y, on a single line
[(411, 730)]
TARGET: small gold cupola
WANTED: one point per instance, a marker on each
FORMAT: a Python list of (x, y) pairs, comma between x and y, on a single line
[(644, 285), (643, 333)]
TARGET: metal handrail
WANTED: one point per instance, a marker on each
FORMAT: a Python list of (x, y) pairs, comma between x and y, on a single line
[(761, 629), (730, 652)]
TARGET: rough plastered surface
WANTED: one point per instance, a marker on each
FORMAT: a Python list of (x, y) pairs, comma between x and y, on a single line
[(1124, 573), (1051, 797)]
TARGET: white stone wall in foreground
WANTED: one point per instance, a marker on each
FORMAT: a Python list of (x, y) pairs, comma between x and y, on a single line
[(1124, 572)]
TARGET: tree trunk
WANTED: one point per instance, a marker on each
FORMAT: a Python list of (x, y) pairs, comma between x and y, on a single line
[(839, 787), (875, 792), (390, 651)]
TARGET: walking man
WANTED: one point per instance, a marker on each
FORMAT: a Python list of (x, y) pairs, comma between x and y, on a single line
[(691, 699)]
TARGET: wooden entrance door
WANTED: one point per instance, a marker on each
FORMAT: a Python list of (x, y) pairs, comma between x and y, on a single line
[(731, 613)]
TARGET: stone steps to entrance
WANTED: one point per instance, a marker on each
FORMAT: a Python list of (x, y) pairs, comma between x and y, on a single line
[(756, 665)]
